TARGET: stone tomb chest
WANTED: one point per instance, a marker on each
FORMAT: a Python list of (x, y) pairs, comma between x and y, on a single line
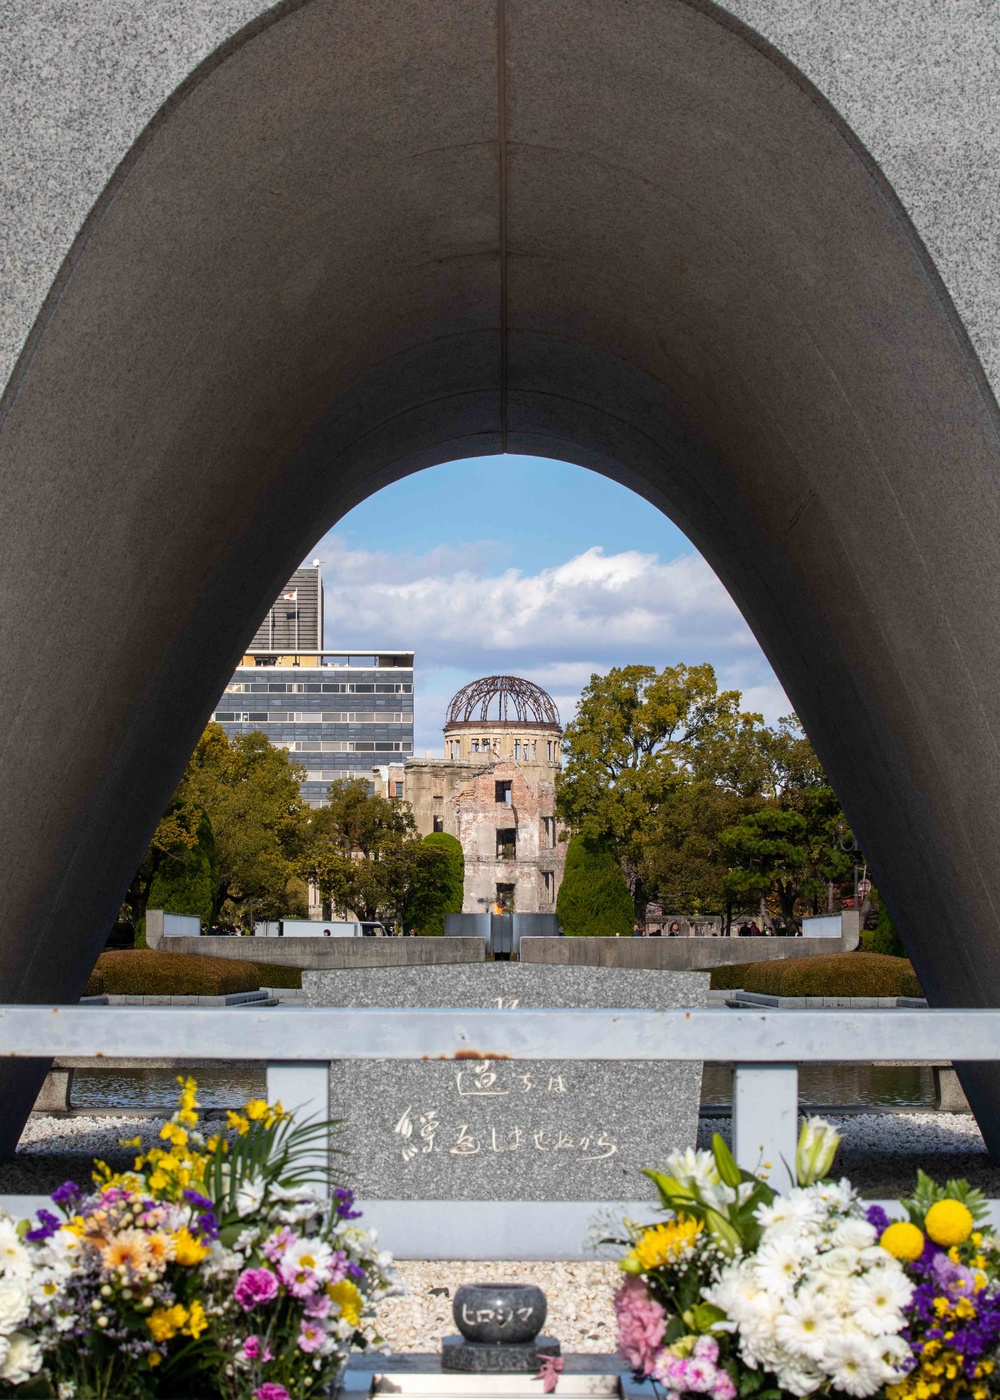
[(503, 1130)]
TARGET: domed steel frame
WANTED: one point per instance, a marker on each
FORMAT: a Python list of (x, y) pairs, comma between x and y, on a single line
[(529, 702)]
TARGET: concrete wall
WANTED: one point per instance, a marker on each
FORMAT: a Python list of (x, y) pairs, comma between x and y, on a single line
[(332, 952), (675, 954)]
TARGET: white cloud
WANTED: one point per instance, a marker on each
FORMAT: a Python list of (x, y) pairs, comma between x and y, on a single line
[(464, 615)]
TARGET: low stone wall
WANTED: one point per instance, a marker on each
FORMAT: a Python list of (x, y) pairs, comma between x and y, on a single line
[(676, 954), (332, 953)]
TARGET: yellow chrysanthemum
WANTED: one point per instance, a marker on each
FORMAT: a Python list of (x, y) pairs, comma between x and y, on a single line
[(346, 1295), (165, 1323), (662, 1244), (949, 1222), (187, 1250), (903, 1240), (237, 1121), (196, 1321)]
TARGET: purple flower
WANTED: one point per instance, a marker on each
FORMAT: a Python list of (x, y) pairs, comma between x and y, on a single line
[(200, 1202), (355, 1271), (876, 1216), (253, 1287), (271, 1391), (49, 1225), (343, 1202), (65, 1194), (310, 1337)]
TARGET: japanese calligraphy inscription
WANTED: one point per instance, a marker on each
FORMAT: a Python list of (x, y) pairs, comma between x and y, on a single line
[(505, 1129)]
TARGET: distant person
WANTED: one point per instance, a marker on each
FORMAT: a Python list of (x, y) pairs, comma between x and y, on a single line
[(656, 933), (745, 931), (327, 933), (637, 930), (411, 933), (674, 931)]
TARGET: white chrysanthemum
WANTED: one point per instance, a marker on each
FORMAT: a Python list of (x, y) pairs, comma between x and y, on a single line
[(806, 1325), (854, 1362), (45, 1285), (877, 1300), (837, 1196), (15, 1304), (15, 1257), (250, 1196), (854, 1234), (780, 1262), (308, 1254), (799, 1380), (23, 1359)]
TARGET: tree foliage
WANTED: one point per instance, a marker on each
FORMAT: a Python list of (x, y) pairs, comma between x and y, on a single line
[(440, 888), (248, 792), (706, 807), (367, 858), (593, 898)]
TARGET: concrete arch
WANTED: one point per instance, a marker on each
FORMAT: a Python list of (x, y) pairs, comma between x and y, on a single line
[(364, 239)]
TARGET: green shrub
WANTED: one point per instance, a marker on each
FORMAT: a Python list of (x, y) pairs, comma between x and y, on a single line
[(834, 975), (141, 972), (277, 975), (428, 914), (884, 938), (593, 900)]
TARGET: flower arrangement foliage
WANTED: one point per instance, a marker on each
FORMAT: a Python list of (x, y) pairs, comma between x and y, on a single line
[(222, 1268), (741, 1292)]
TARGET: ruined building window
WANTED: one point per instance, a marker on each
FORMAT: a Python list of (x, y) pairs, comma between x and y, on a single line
[(504, 792), (549, 823), (548, 884), (439, 823), (550, 750), (517, 748), (505, 898), (397, 789), (506, 842)]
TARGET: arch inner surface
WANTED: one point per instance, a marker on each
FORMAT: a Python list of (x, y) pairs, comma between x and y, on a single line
[(365, 239)]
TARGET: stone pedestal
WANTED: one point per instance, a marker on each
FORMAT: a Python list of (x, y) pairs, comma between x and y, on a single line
[(496, 1358)]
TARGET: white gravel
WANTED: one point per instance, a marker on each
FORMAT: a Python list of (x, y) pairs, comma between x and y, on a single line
[(96, 1136), (580, 1296)]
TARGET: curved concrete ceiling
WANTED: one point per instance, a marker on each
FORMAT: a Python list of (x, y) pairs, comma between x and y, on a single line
[(366, 238)]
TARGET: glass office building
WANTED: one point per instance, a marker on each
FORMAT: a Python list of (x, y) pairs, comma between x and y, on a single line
[(339, 713)]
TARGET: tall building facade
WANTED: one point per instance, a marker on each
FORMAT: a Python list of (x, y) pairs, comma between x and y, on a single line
[(338, 713), (495, 791)]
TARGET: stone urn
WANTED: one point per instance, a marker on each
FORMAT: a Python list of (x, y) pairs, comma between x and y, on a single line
[(499, 1312)]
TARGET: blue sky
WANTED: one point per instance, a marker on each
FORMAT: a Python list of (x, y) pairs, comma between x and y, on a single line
[(525, 566)]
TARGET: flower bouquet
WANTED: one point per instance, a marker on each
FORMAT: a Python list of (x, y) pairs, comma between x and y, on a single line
[(224, 1268), (741, 1292)]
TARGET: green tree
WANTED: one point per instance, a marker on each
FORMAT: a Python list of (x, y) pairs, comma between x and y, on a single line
[(638, 736), (185, 879), (366, 856), (767, 849), (439, 889), (249, 791), (593, 897)]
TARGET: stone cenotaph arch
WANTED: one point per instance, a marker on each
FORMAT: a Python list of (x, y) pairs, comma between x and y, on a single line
[(263, 261)]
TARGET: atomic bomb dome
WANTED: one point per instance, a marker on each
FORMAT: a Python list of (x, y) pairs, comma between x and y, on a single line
[(495, 791), (513, 701)]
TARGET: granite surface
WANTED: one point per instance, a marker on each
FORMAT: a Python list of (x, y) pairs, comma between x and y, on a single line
[(916, 79), (492, 1130)]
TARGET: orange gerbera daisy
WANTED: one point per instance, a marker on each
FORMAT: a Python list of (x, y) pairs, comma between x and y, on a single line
[(129, 1249)]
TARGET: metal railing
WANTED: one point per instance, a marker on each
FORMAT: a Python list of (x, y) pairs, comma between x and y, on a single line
[(299, 1046)]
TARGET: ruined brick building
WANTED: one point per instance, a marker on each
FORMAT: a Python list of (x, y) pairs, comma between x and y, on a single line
[(495, 791)]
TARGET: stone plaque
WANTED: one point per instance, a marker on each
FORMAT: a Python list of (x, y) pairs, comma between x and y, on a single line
[(502, 1129)]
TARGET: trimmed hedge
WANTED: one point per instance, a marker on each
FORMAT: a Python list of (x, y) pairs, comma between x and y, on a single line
[(143, 972), (836, 975), (277, 975)]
